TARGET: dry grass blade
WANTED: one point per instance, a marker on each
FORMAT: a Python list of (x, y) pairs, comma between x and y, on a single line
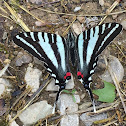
[(30, 13), (105, 120), (115, 80), (110, 10), (3, 10), (87, 15), (66, 31), (5, 16), (16, 18)]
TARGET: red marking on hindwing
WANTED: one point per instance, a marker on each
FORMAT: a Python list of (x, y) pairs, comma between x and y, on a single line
[(67, 75), (80, 74)]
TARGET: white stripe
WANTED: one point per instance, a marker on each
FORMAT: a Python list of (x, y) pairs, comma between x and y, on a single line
[(80, 49), (32, 36), (57, 81), (92, 43), (109, 25), (48, 69), (25, 42), (47, 48), (61, 50), (25, 34), (92, 71), (89, 79), (94, 65), (108, 35), (103, 28), (53, 75), (52, 38)]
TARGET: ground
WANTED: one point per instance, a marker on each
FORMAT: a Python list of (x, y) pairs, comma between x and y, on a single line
[(57, 17)]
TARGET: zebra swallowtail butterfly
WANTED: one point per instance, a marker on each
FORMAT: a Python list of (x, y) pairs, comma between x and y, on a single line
[(54, 51)]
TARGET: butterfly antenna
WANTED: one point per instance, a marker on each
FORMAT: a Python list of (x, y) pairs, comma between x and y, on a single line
[(92, 99)]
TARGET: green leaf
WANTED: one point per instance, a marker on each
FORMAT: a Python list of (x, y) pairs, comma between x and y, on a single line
[(66, 91), (106, 94)]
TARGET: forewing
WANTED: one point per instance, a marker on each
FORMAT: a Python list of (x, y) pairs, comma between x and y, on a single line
[(91, 43), (47, 47)]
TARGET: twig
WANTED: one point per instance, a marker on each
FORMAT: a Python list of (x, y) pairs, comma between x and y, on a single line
[(16, 18), (110, 10), (87, 15), (65, 32)]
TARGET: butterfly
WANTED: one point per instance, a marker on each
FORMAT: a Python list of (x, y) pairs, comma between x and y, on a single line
[(55, 51)]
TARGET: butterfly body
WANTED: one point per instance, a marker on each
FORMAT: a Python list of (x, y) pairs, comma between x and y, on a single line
[(83, 52)]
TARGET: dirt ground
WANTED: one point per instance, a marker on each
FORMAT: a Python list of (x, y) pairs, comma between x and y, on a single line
[(57, 17)]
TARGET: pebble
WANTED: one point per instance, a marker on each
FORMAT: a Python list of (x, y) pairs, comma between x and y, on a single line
[(85, 105), (70, 120), (5, 35), (77, 9), (77, 27), (4, 85), (123, 23), (38, 23), (51, 86), (34, 112), (101, 2), (88, 120), (36, 1), (91, 21), (114, 16), (116, 67), (22, 58), (81, 19), (32, 78), (37, 61), (66, 105)]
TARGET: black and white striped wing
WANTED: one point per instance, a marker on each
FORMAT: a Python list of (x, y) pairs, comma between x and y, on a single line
[(49, 48), (90, 44)]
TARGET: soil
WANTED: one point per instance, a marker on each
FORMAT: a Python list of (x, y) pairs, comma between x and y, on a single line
[(57, 23)]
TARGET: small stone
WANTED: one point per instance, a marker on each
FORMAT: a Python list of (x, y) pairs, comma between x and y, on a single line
[(123, 23), (81, 19), (101, 2), (85, 105), (77, 27), (38, 23), (66, 105), (22, 58), (52, 87), (77, 9), (37, 61), (36, 111), (116, 67), (114, 16), (32, 78), (88, 120), (70, 120), (36, 1), (82, 96), (5, 35), (4, 85)]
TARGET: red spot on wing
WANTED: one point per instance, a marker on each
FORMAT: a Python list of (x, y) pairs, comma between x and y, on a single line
[(80, 74), (67, 75)]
